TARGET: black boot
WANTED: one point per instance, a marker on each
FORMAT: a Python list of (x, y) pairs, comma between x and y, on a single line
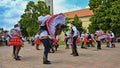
[(113, 46), (45, 61), (76, 53), (37, 47), (17, 58)]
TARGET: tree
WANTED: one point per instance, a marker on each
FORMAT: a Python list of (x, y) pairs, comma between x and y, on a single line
[(68, 20), (78, 24), (106, 16), (28, 20)]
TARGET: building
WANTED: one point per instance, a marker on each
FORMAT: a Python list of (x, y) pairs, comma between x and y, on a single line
[(49, 4), (83, 14)]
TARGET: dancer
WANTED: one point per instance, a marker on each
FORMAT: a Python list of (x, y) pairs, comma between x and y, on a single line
[(50, 26), (16, 41), (37, 41), (74, 33)]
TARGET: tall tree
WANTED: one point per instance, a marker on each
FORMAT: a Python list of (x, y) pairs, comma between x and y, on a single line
[(68, 21), (78, 24), (106, 16), (28, 20)]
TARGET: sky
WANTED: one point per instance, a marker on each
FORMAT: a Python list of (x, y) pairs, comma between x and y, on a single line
[(11, 10)]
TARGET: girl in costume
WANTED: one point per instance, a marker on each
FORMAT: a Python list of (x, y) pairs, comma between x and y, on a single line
[(16, 41), (37, 41)]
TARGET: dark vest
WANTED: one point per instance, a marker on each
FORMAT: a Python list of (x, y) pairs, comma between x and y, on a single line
[(42, 28), (72, 31)]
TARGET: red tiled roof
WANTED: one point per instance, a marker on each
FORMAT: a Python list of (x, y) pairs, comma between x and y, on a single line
[(79, 13)]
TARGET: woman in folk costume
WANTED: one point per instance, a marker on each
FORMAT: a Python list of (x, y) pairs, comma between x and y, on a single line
[(16, 41), (85, 41), (50, 26), (37, 41), (68, 39)]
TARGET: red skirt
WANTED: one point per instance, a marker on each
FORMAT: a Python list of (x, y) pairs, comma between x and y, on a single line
[(77, 41), (37, 41), (15, 41), (85, 40)]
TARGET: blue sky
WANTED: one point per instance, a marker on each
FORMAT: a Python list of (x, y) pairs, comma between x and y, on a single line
[(11, 10)]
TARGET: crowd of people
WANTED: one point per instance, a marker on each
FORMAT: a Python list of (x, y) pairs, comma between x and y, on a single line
[(49, 37)]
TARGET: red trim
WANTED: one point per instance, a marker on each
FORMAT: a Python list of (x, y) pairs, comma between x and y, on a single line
[(49, 20)]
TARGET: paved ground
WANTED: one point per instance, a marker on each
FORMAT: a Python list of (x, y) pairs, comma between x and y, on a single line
[(88, 58)]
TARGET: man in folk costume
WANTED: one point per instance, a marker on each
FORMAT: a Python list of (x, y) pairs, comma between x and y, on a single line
[(15, 41), (50, 27), (74, 33), (113, 38)]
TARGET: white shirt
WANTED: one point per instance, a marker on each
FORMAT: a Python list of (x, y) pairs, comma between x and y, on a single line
[(112, 35), (75, 31), (82, 35), (36, 36), (10, 33), (68, 33), (43, 33)]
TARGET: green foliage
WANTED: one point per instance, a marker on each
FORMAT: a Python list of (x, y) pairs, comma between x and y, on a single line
[(78, 24), (106, 16), (61, 43), (68, 20), (28, 20)]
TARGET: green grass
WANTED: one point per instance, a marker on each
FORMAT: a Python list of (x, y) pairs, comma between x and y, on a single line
[(61, 43)]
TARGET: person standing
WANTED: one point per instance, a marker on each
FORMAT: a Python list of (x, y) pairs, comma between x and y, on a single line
[(67, 38), (113, 38), (50, 27), (44, 37), (74, 33), (37, 41), (16, 41)]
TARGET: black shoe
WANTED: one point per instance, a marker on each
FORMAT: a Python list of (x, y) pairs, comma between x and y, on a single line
[(46, 62), (17, 58), (98, 48), (107, 46), (75, 54), (37, 49), (82, 47)]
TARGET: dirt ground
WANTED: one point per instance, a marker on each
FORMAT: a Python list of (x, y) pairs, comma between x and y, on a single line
[(88, 58)]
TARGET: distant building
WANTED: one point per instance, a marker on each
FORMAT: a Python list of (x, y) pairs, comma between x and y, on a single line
[(49, 4), (83, 14)]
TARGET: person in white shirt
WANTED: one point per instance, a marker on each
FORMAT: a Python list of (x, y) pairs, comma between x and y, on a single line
[(44, 37), (67, 39), (74, 33), (50, 27), (113, 38)]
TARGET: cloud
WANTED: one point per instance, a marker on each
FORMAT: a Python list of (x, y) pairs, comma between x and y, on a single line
[(67, 6), (87, 7), (10, 12)]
